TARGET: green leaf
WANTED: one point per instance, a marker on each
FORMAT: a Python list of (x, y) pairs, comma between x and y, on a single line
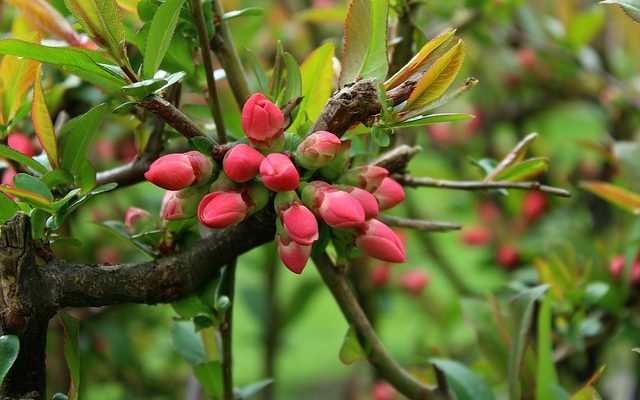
[(187, 342), (8, 208), (31, 184), (202, 144), (351, 350), (125, 108), (57, 178), (83, 130), (293, 88), (364, 49), (60, 396), (42, 124), (101, 20), (58, 204), (546, 375), (86, 176), (624, 198), (9, 348), (522, 307), (630, 7), (245, 12), (209, 375), (317, 77), (584, 27), (33, 199), (323, 15), (523, 170), (381, 136), (465, 384), (433, 119), (11, 154), (427, 53), (160, 34), (80, 62), (71, 352), (258, 70), (437, 78), (251, 390), (142, 89)]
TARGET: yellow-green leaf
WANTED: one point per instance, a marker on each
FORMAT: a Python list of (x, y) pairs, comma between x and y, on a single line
[(317, 77), (624, 198), (427, 53), (17, 76), (351, 350), (32, 198), (524, 170), (42, 123), (437, 78), (364, 50)]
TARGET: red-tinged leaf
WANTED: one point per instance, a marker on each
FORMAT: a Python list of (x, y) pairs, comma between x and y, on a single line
[(427, 53), (31, 198), (624, 198), (364, 50), (437, 79), (17, 76), (42, 123), (48, 19)]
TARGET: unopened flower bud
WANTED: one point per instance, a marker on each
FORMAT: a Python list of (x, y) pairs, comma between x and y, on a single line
[(367, 200), (337, 208), (180, 205), (219, 210), (300, 224), (293, 255), (317, 150), (379, 241), (178, 171), (22, 143), (380, 274), (389, 194), (278, 173), (367, 177), (262, 122), (242, 163), (534, 205), (135, 218), (414, 281), (339, 164)]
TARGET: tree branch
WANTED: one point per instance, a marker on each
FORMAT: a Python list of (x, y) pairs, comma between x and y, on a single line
[(413, 181), (386, 366), (419, 224), (172, 116)]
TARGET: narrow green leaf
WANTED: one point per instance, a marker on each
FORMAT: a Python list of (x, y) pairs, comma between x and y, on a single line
[(83, 130), (71, 352), (547, 376), (187, 342), (317, 76), (8, 208), (209, 375), (33, 199), (258, 70), (351, 350), (433, 119), (624, 198), (142, 89), (523, 170), (251, 390), (11, 154), (58, 204), (364, 49), (438, 78), (465, 384), (161, 32), (125, 108), (42, 123), (31, 184), (85, 176), (631, 7), (9, 348), (522, 307), (293, 87), (245, 12)]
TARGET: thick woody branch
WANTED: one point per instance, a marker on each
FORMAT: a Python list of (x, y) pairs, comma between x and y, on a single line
[(160, 281)]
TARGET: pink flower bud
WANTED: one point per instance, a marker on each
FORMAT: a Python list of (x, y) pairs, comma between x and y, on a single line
[(134, 218), (219, 210), (278, 173), (380, 275), (178, 171), (389, 194), (337, 208), (508, 256), (414, 281), (379, 241), (534, 205), (180, 205), (317, 150), (262, 121), (242, 163), (300, 224), (367, 177), (382, 391), (293, 255), (22, 143), (367, 200), (477, 236), (616, 266)]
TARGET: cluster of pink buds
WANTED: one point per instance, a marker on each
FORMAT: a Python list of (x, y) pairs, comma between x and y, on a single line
[(311, 184)]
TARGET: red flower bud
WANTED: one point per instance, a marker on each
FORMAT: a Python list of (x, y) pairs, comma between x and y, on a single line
[(379, 241), (262, 121), (389, 194), (300, 224), (317, 150), (534, 205), (383, 391), (508, 256), (7, 179), (337, 208), (367, 177), (367, 200), (488, 212), (477, 236), (527, 58), (635, 271), (134, 218), (414, 281), (178, 171), (22, 143), (179, 205), (242, 163), (219, 210), (380, 275), (616, 266), (293, 255), (278, 173)]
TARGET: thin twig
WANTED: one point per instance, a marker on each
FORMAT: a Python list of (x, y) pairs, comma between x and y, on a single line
[(419, 224), (413, 181), (513, 156), (226, 329), (386, 366), (172, 116)]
